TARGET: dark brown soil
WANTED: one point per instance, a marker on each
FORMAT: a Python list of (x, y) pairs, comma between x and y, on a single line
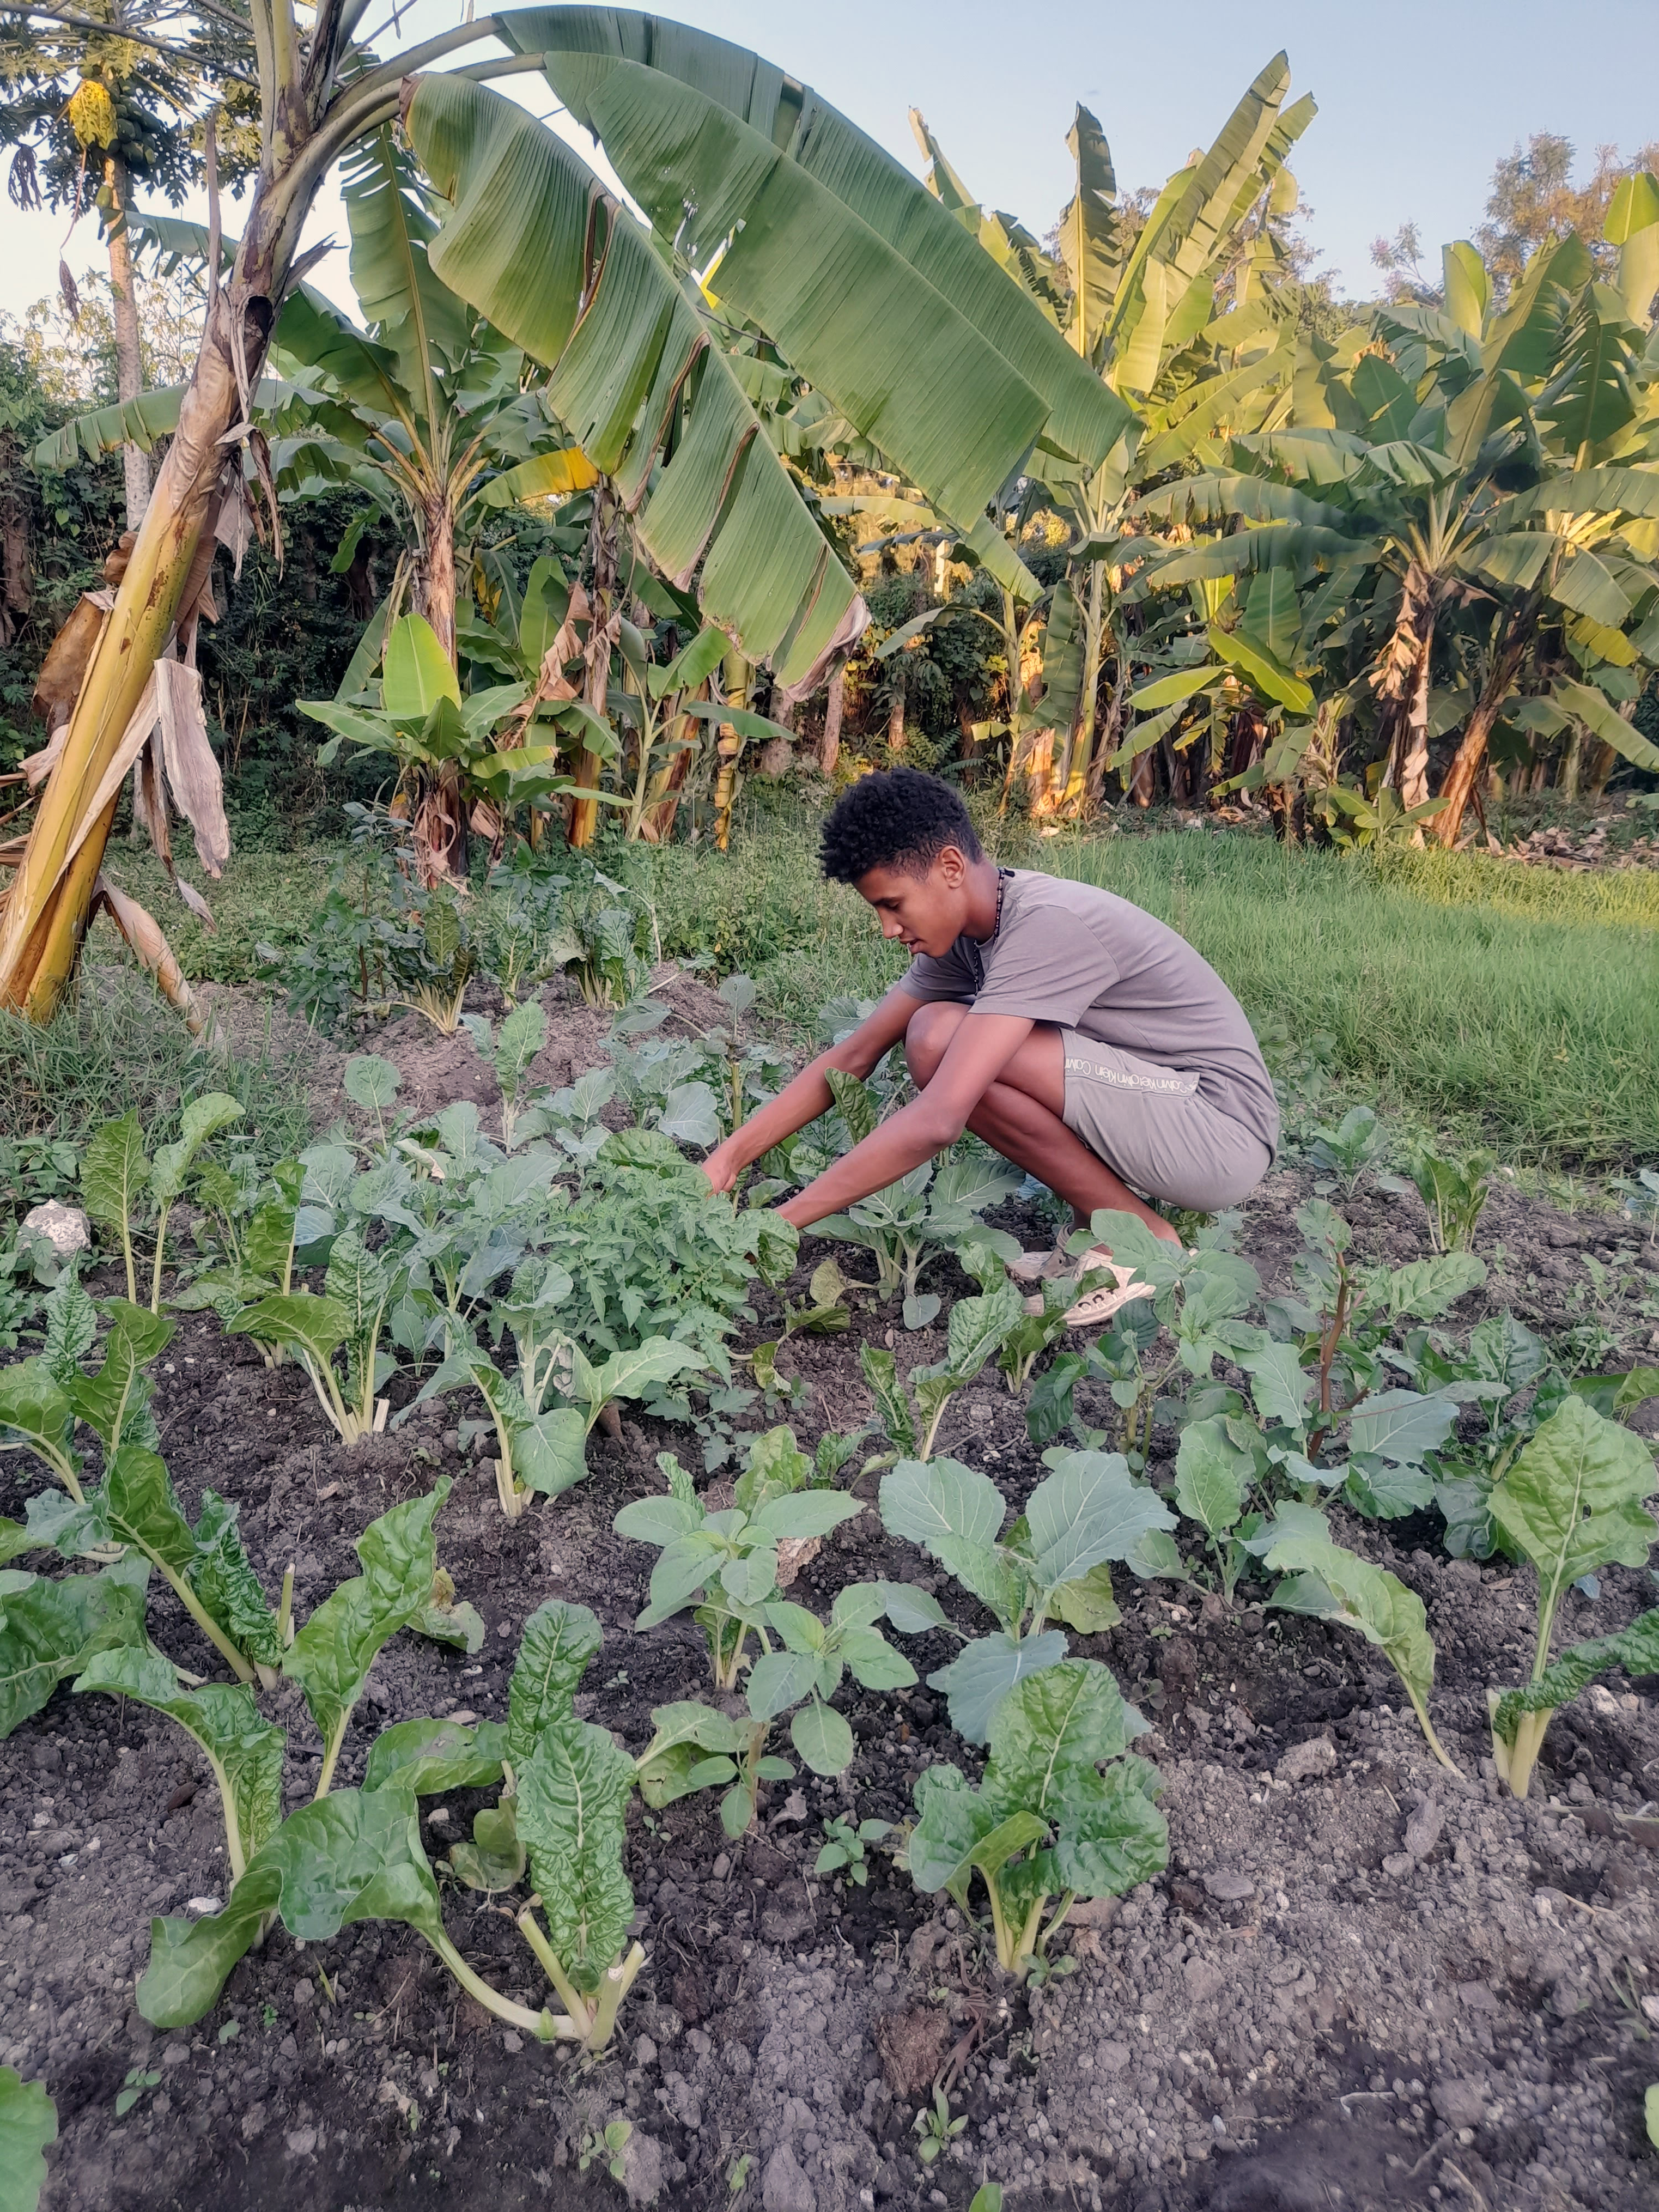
[(1317, 2029)]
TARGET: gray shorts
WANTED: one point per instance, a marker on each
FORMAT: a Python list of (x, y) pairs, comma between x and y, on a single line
[(1151, 1127)]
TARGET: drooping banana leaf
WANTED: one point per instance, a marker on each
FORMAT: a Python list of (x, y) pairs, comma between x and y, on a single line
[(137, 422), (535, 244), (1084, 419), (1091, 241), (420, 321)]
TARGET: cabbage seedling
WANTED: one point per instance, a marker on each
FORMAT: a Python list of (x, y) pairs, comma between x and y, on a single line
[(509, 1053), (1573, 1500), (1045, 1822), (1087, 1513)]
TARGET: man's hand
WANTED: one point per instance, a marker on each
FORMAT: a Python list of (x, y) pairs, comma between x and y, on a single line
[(724, 1165)]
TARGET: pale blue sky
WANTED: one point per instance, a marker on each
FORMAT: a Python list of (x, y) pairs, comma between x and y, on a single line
[(1417, 99)]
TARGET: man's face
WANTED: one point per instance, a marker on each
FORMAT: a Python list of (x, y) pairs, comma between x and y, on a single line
[(927, 913)]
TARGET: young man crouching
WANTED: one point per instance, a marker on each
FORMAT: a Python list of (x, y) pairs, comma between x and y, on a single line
[(1075, 1035)]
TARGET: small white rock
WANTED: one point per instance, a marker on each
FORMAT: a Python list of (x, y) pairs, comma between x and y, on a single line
[(65, 1228)]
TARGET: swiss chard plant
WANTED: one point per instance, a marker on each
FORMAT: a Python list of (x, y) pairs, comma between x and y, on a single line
[(117, 1173), (354, 1854), (1334, 1584), (1345, 1149), (246, 1235), (1063, 1811), (335, 1334), (978, 1328), (52, 1627), (1054, 1563), (1574, 1500), (1455, 1190)]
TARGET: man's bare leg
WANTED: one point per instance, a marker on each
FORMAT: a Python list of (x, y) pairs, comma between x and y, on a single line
[(1020, 1116)]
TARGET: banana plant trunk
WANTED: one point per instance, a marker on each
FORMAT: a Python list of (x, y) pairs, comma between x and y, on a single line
[(1471, 758), (1402, 688), (50, 902), (1079, 758), (129, 349), (602, 546), (433, 796)]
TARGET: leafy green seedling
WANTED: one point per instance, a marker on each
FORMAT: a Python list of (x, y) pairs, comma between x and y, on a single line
[(51, 1628), (1454, 1191), (978, 1326), (606, 2145), (844, 1848), (356, 1854), (138, 2081), (934, 2128), (543, 1445), (509, 1052), (1346, 1150), (1054, 1563), (28, 2122), (349, 1315), (250, 1246), (44, 1399), (116, 1172), (910, 1223), (727, 1563), (1573, 1500), (1519, 1718), (1045, 1821), (1333, 1584)]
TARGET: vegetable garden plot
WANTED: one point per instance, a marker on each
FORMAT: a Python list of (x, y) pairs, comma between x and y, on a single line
[(774, 2014)]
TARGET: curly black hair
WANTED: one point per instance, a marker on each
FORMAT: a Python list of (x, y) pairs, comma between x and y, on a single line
[(896, 819)]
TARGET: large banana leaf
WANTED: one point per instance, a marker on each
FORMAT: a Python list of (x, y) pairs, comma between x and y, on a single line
[(1084, 419), (536, 245), (137, 422), (841, 305), (1091, 241), (419, 320)]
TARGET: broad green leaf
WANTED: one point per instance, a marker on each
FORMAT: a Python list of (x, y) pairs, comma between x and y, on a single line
[(244, 1749), (1279, 1385), (370, 1082), (28, 2122), (1400, 1425), (1425, 1288), (892, 1407), (1071, 1715), (417, 672), (33, 1410), (1573, 1500), (607, 317), (775, 1467), (201, 1119), (779, 1679), (823, 1738), (461, 1626), (315, 1326), (429, 1757), (927, 1502), (221, 1575), (984, 1671), (1636, 1649), (138, 1497), (114, 1171), (106, 1400), (1088, 1604), (871, 1660), (573, 1809), (657, 1520), (1111, 1838), (71, 1328), (978, 1328), (50, 1629), (958, 1832), (684, 1566), (331, 1656), (1212, 1476), (1614, 1395), (1603, 721), (632, 1374), (558, 1642), (806, 1513), (1157, 1554), (1085, 418), (551, 1452), (912, 1612), (349, 1856), (1368, 1598), (1089, 1510)]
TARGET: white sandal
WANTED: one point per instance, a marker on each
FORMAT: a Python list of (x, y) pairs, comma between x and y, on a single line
[(1098, 1305)]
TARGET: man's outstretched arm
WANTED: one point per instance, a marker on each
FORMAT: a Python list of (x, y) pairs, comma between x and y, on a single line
[(808, 1094)]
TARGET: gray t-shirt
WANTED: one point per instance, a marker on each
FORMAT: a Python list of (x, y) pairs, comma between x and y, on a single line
[(1084, 959)]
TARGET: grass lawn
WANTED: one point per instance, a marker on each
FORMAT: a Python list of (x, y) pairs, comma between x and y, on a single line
[(1470, 995)]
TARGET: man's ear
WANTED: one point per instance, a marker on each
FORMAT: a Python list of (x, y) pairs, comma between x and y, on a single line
[(951, 862)]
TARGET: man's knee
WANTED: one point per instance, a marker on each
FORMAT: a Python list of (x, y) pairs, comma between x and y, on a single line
[(931, 1029)]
